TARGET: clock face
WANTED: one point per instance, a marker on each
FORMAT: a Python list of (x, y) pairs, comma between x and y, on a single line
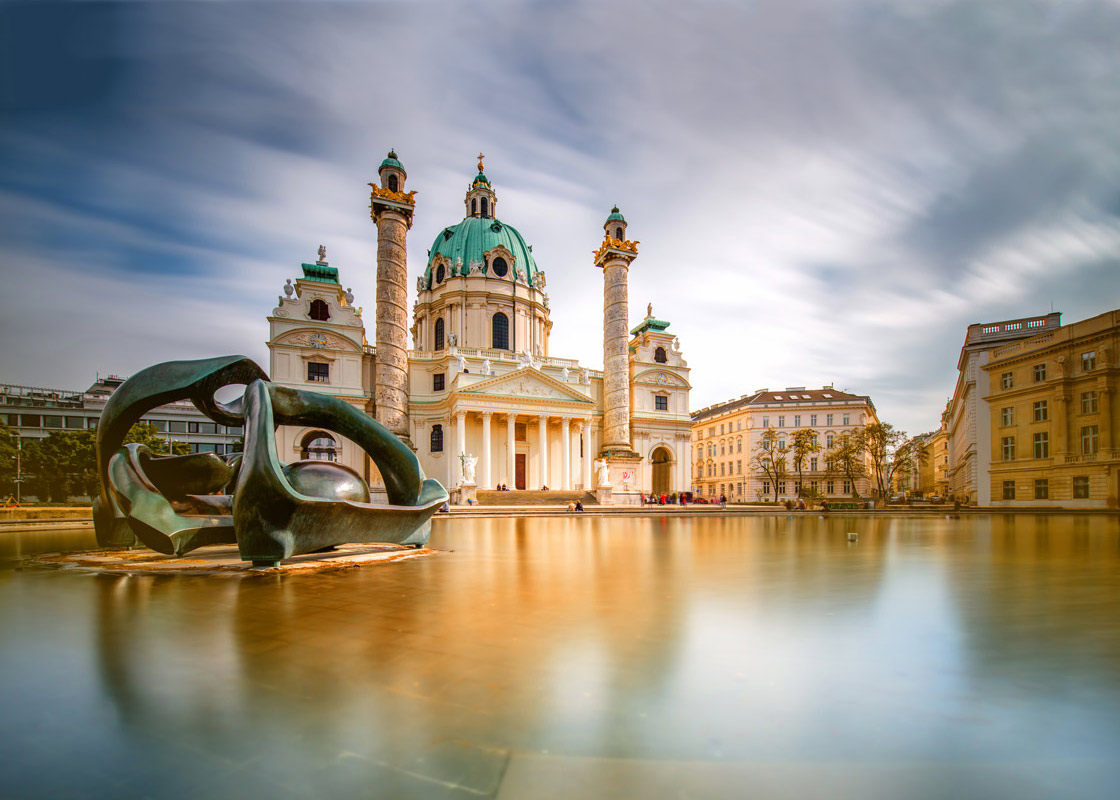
[(662, 378), (318, 341)]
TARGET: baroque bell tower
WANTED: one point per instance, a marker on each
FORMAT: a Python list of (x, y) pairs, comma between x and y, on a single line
[(391, 209)]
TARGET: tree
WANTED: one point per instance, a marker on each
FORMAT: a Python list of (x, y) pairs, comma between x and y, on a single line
[(770, 461), (847, 457), (890, 453), (8, 453), (146, 434), (802, 445)]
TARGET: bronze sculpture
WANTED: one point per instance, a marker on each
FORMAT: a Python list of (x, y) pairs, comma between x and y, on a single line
[(272, 511)]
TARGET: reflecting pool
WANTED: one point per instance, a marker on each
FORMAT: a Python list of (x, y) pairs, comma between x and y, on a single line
[(586, 657)]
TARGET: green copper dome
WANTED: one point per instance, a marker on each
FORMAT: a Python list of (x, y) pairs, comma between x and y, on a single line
[(616, 216), (480, 178), (391, 161), (472, 238)]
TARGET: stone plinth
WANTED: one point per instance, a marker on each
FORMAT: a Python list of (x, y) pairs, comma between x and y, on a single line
[(467, 495)]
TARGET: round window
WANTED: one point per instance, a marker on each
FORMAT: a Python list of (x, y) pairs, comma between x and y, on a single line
[(499, 266), (439, 274)]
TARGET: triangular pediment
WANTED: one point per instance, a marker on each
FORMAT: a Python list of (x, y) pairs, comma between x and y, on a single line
[(528, 383), (661, 377)]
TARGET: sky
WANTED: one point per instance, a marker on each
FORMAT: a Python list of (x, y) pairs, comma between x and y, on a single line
[(825, 192)]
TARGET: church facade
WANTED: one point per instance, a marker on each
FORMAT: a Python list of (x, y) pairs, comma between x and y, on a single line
[(478, 394)]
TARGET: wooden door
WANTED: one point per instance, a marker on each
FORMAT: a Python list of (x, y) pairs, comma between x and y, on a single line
[(519, 481)]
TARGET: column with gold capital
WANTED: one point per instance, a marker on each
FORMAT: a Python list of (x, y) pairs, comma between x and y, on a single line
[(391, 209), (614, 257)]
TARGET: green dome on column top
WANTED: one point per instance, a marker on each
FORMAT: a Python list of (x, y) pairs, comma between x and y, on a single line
[(472, 238), (391, 161), (616, 216)]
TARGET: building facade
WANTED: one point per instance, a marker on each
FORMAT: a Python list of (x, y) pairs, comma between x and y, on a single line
[(478, 395), (1053, 417), (35, 413), (726, 436), (969, 431)]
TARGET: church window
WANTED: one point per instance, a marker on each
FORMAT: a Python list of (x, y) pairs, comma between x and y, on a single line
[(438, 334), (618, 233), (438, 381), (440, 273), (474, 207), (318, 373), (437, 439), (393, 185), (659, 355), (660, 403), (500, 329), (485, 207), (319, 311), (499, 266)]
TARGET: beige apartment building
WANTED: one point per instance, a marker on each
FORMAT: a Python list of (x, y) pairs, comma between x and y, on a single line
[(969, 432), (1053, 417), (726, 435)]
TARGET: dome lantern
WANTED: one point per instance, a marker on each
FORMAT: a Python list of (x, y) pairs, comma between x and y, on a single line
[(615, 226), (392, 173), (481, 199)]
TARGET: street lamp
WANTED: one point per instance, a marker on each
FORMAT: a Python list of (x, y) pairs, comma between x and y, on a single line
[(19, 467)]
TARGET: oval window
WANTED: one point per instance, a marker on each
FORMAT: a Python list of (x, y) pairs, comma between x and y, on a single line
[(439, 273), (499, 266)]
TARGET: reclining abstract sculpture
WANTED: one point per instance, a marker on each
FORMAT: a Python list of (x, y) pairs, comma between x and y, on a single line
[(272, 511)]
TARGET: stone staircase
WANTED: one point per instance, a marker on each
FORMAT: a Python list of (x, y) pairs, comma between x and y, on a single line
[(515, 497)]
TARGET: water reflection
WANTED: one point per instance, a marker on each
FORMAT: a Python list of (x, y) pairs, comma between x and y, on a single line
[(707, 640)]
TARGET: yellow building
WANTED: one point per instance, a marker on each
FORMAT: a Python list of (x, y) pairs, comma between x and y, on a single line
[(726, 435), (1053, 417)]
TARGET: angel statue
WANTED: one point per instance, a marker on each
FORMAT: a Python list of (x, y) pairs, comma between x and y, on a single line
[(469, 462), (603, 478)]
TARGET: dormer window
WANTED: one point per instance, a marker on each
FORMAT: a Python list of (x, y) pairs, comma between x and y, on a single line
[(659, 356), (319, 311), (440, 273), (499, 267), (393, 184)]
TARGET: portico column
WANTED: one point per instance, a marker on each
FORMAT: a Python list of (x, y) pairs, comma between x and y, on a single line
[(585, 433), (511, 450), (460, 442), (565, 454), (484, 456), (542, 450)]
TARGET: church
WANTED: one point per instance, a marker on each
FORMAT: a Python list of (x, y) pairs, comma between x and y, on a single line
[(478, 395)]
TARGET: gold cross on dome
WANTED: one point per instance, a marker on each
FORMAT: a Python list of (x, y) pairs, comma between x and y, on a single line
[(480, 157)]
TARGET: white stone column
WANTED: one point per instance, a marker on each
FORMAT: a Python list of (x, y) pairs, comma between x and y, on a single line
[(565, 454), (460, 443), (511, 450), (484, 456), (542, 449), (585, 432)]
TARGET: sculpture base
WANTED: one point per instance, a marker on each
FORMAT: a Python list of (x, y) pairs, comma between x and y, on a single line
[(604, 496)]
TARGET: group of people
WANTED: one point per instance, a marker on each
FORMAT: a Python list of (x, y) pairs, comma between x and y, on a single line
[(501, 487), (574, 505), (663, 499)]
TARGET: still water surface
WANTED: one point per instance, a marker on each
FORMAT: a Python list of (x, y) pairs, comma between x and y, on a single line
[(586, 657)]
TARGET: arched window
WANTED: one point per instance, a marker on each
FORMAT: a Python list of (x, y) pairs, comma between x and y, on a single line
[(438, 334), (500, 329), (319, 446), (485, 207), (319, 311), (474, 207), (659, 355), (440, 272), (437, 439), (393, 185), (499, 267), (618, 233)]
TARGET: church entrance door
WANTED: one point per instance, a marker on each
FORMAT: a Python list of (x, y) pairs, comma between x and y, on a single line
[(662, 466), (519, 481)]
